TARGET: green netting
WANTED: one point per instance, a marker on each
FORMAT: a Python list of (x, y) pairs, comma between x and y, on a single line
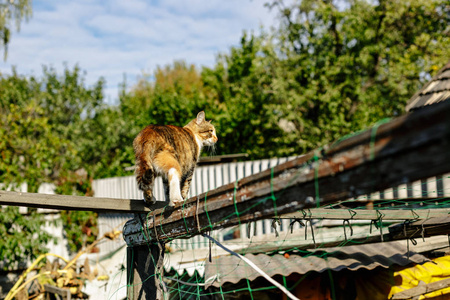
[(305, 235), (296, 237)]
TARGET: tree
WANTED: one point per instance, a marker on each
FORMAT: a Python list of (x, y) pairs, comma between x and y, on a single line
[(12, 13), (329, 69), (32, 151), (27, 143), (22, 237), (174, 96), (347, 64), (239, 88), (46, 127)]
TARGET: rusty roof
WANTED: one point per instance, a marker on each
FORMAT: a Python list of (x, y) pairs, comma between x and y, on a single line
[(231, 269), (435, 91)]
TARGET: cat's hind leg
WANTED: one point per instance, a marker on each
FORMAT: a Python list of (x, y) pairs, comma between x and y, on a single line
[(166, 188), (174, 187), (145, 177), (186, 184), (171, 168)]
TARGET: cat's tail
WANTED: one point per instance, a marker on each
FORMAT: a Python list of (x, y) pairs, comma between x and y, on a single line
[(145, 173)]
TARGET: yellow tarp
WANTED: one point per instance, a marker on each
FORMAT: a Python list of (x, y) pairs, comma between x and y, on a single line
[(429, 272), (381, 284), (376, 284)]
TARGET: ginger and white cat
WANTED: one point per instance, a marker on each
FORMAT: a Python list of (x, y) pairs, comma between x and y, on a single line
[(171, 152)]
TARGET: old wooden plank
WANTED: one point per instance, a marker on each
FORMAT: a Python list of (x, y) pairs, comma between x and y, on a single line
[(365, 214), (145, 271), (421, 228), (334, 237), (63, 292), (406, 149), (422, 289), (66, 202)]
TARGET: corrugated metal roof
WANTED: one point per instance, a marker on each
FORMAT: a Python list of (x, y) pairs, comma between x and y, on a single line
[(189, 268), (231, 269), (435, 91)]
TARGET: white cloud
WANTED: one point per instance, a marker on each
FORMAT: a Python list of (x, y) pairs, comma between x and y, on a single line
[(113, 38)]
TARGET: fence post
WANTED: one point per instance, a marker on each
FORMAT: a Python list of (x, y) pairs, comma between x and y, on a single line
[(144, 272)]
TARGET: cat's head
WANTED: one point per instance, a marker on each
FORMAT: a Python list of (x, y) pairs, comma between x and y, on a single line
[(203, 130)]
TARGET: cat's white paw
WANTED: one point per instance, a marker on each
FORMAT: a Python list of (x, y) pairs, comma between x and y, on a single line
[(175, 200)]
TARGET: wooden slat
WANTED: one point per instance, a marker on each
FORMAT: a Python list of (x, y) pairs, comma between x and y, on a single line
[(335, 238), (63, 292), (422, 289), (64, 202), (363, 214), (409, 148), (125, 187)]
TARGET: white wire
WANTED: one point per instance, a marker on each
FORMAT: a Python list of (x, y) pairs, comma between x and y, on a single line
[(210, 280), (255, 267)]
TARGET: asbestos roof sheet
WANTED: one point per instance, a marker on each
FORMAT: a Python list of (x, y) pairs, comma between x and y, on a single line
[(231, 269), (435, 91)]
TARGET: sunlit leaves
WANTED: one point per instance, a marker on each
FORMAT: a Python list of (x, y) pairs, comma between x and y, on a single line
[(11, 15), (45, 124)]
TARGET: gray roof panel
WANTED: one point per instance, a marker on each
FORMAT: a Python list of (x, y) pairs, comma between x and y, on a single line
[(231, 269)]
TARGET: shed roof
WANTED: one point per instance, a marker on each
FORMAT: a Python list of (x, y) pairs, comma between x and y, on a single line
[(231, 269), (435, 91)]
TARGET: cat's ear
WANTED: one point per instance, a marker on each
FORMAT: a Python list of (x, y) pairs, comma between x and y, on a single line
[(209, 121), (200, 117)]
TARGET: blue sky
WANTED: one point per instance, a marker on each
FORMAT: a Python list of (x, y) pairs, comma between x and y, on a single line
[(116, 37)]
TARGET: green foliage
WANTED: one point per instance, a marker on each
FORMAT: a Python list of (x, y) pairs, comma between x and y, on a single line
[(22, 236), (329, 69), (45, 127), (80, 228), (344, 69), (12, 13), (240, 89), (171, 99), (31, 150)]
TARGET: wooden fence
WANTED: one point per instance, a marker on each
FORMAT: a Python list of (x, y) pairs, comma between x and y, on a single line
[(213, 176), (205, 178)]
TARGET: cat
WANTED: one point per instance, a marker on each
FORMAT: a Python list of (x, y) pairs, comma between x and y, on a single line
[(171, 152)]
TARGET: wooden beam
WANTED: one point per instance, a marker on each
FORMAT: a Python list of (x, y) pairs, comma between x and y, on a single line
[(63, 292), (67, 202), (421, 228), (365, 214), (333, 237), (422, 289), (64, 202), (145, 271), (408, 148), (204, 160)]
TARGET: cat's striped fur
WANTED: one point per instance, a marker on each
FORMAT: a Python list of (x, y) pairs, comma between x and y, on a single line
[(171, 152)]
